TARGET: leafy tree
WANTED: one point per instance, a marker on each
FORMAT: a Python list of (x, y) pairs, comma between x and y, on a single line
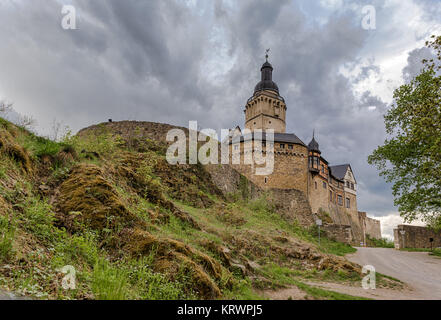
[(411, 157)]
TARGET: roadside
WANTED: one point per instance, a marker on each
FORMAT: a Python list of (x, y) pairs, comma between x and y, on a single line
[(419, 270), (417, 277)]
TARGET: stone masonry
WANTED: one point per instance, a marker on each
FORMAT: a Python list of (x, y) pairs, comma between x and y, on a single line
[(416, 237)]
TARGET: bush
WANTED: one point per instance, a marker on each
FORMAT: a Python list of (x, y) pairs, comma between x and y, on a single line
[(38, 219), (379, 243)]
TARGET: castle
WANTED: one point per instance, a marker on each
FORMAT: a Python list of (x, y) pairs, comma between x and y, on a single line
[(331, 190)]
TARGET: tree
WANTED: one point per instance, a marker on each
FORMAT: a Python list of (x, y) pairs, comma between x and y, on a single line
[(5, 107), (411, 157)]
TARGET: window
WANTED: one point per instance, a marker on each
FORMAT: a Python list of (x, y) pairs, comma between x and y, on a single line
[(282, 146), (330, 195), (352, 186), (317, 162), (348, 203), (236, 147), (340, 200), (348, 184), (266, 180), (290, 147), (323, 168), (325, 185), (264, 144)]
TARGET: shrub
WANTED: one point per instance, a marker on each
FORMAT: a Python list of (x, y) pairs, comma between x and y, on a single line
[(379, 243)]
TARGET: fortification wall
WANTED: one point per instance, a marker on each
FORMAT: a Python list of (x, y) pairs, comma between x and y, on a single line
[(290, 167), (373, 228), (337, 232), (291, 204), (416, 237)]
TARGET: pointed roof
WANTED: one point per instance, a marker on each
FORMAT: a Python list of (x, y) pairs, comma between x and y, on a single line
[(313, 145)]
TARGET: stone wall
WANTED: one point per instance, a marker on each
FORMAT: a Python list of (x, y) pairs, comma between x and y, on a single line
[(373, 228), (291, 204), (290, 168), (134, 129), (416, 237), (230, 181), (338, 232)]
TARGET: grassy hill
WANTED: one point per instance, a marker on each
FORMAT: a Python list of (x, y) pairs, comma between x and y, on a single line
[(135, 227)]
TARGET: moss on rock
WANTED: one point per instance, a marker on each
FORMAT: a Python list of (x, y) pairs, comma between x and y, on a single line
[(14, 150), (88, 193)]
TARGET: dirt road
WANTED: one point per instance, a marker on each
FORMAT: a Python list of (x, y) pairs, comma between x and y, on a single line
[(421, 272)]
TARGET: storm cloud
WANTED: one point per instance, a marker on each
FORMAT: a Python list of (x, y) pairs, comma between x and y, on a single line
[(175, 61)]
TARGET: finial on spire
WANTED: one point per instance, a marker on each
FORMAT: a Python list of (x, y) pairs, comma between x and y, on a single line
[(267, 52), (313, 134)]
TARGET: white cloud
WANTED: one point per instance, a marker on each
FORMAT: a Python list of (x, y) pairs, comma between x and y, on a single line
[(391, 221)]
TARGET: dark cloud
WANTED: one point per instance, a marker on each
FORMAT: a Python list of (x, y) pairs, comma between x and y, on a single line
[(173, 61)]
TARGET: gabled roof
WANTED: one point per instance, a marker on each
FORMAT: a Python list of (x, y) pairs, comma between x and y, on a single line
[(339, 172)]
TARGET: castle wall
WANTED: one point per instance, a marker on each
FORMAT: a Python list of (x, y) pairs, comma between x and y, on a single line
[(318, 194), (291, 204), (416, 237), (337, 232), (290, 168), (373, 228)]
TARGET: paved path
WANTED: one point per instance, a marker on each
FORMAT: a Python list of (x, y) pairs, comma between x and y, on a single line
[(10, 296), (420, 271)]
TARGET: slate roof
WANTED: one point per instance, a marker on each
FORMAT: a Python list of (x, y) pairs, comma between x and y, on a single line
[(339, 172), (278, 137), (313, 145)]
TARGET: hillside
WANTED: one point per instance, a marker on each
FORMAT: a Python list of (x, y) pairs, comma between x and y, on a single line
[(135, 227)]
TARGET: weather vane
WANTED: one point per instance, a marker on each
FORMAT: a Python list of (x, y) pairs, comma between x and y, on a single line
[(266, 56)]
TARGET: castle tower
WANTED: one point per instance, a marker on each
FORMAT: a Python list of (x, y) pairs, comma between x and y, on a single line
[(266, 109)]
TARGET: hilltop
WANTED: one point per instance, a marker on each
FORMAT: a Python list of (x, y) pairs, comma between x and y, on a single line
[(107, 202)]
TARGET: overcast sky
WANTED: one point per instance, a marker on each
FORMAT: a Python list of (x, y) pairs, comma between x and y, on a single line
[(174, 61)]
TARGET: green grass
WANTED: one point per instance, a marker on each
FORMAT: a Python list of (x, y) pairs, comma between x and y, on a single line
[(380, 243), (320, 293), (282, 276), (433, 252), (109, 282), (416, 249), (38, 219), (7, 231), (264, 217)]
